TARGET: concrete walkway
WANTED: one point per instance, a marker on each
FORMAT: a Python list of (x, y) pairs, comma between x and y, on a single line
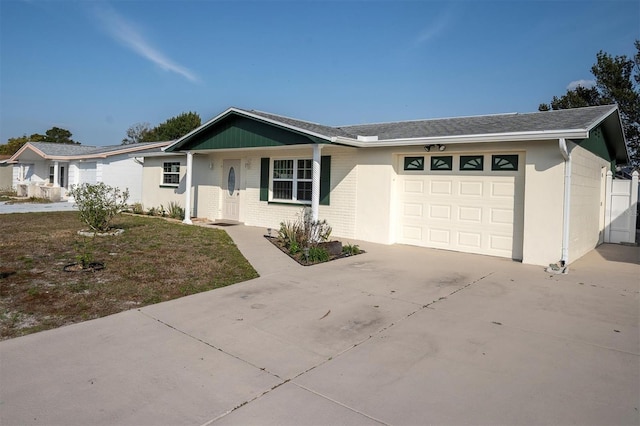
[(36, 207), (399, 335)]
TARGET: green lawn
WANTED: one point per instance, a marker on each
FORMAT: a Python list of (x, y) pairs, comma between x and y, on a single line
[(153, 261)]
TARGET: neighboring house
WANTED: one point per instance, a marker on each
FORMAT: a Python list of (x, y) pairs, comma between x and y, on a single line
[(529, 187), (49, 170), (6, 173)]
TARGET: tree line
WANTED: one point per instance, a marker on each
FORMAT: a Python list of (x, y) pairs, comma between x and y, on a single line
[(171, 129), (617, 81)]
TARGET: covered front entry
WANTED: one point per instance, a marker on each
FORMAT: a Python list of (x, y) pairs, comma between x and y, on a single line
[(469, 203), (231, 189)]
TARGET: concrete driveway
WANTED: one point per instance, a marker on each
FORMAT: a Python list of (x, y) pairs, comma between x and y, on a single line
[(60, 206), (399, 335)]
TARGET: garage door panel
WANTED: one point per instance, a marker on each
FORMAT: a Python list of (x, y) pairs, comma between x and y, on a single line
[(470, 189), (501, 216), (439, 236), (470, 214), (412, 210), (412, 233), (413, 186), (440, 187), (440, 212), (503, 189), (501, 243), (476, 213), (470, 239)]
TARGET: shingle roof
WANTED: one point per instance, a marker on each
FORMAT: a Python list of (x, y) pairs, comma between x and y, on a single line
[(62, 149), (571, 123), (568, 119), (71, 150), (301, 124)]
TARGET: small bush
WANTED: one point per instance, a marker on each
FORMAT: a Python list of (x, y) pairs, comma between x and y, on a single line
[(317, 254), (350, 250), (304, 231), (98, 204), (175, 211), (137, 208)]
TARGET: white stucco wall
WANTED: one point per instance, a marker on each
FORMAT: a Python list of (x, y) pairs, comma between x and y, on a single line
[(588, 176), (6, 176), (253, 212), (543, 203), (123, 172), (153, 193), (363, 193)]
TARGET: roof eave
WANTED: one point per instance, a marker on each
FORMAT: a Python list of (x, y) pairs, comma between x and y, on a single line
[(461, 139)]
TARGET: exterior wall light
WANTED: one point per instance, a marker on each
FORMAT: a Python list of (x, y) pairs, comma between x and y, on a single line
[(438, 146)]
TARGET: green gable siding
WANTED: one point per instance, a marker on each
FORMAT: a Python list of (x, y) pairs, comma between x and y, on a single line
[(240, 132), (596, 143)]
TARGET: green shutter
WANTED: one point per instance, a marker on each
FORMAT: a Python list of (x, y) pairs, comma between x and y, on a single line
[(325, 179), (264, 179)]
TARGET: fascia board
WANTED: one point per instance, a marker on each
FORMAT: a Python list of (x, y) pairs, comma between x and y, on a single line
[(23, 148), (159, 154), (490, 137)]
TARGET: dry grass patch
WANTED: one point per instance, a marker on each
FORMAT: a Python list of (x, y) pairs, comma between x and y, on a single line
[(153, 261)]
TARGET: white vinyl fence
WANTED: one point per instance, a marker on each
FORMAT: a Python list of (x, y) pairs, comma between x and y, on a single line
[(621, 210)]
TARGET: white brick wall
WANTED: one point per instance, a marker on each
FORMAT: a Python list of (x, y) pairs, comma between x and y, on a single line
[(208, 197)]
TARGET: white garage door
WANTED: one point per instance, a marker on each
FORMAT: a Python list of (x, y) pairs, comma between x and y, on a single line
[(470, 203)]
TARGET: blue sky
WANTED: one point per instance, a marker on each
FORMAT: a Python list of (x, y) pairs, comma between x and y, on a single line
[(98, 67)]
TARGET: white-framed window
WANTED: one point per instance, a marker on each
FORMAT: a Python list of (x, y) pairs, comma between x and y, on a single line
[(52, 173), (291, 179), (171, 173)]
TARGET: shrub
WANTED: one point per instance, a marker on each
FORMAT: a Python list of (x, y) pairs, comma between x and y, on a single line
[(317, 254), (137, 208), (98, 204), (175, 211), (351, 249), (304, 231)]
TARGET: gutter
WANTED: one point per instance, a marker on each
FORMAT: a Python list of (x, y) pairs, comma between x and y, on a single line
[(460, 139), (562, 144)]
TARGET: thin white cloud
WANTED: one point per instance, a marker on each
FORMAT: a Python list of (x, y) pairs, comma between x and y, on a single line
[(126, 33), (433, 30), (587, 84)]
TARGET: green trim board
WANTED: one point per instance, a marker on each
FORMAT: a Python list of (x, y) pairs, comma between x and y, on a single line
[(264, 179), (325, 179), (234, 131)]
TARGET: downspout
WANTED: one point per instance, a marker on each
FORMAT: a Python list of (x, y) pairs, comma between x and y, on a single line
[(562, 143)]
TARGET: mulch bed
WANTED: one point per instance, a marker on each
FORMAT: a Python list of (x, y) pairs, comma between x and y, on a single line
[(335, 253)]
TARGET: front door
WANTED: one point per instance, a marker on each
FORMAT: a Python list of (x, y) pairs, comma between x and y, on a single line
[(231, 189), (62, 178)]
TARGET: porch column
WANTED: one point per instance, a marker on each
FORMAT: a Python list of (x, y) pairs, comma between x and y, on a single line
[(187, 191), (315, 182), (56, 173)]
